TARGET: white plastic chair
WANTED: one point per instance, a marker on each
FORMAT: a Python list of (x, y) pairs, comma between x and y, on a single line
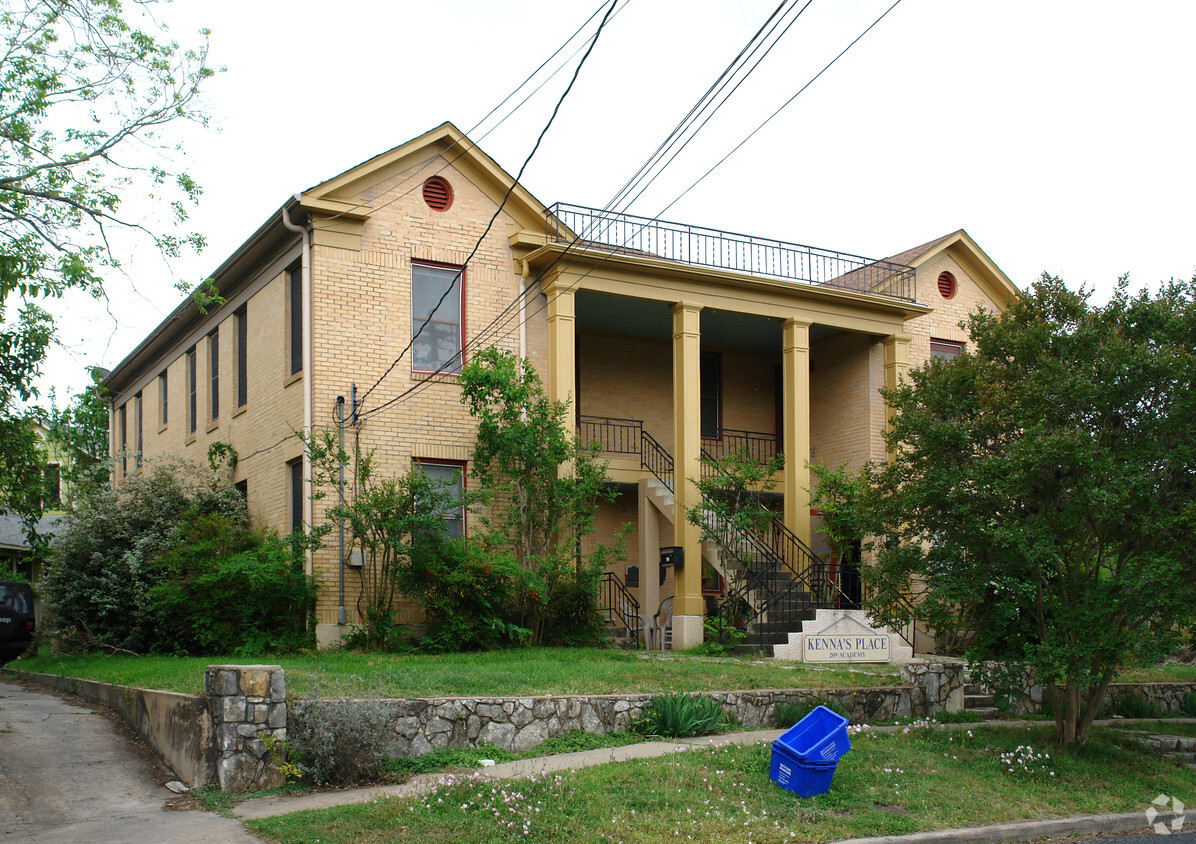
[(661, 627)]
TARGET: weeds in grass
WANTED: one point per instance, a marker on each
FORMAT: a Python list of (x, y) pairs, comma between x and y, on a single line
[(785, 715), (1188, 707), (1132, 706), (680, 716), (339, 741)]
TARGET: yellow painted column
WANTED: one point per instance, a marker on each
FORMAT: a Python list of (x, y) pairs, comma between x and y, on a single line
[(561, 345), (688, 606), (896, 370), (795, 375)]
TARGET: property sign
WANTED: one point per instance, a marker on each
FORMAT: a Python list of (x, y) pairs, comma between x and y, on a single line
[(822, 647)]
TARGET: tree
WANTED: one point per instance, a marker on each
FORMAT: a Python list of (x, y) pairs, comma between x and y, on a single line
[(1042, 488), (543, 486), (81, 428), (86, 97)]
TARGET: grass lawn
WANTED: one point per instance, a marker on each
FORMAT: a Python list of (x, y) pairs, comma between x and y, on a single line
[(1169, 672), (527, 671), (888, 784), (1162, 728)]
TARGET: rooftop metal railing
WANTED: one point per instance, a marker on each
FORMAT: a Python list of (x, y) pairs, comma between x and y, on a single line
[(703, 247)]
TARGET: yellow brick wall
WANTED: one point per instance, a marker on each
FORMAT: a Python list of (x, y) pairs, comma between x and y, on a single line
[(626, 377), (362, 323), (261, 430)]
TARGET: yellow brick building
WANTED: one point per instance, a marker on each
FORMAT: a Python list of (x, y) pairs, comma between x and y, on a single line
[(669, 341)]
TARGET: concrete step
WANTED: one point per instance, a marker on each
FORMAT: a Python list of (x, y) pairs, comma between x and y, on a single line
[(986, 713), (1185, 757), (971, 701), (974, 689)]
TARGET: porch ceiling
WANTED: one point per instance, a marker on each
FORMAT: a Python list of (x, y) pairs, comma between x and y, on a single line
[(645, 318)]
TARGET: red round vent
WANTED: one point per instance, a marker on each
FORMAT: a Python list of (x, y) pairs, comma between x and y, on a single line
[(946, 283), (438, 193)]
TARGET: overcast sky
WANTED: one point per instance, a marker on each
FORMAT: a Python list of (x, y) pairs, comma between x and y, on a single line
[(1058, 133)]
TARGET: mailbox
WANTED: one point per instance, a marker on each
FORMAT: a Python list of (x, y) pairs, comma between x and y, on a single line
[(672, 555)]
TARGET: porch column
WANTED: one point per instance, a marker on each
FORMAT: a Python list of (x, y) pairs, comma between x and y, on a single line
[(561, 346), (649, 548), (688, 607), (795, 374), (896, 370)]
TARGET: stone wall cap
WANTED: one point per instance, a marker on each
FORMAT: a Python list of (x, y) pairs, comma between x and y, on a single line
[(239, 667)]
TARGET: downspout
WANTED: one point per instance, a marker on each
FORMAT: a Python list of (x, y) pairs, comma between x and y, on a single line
[(527, 271), (305, 273)]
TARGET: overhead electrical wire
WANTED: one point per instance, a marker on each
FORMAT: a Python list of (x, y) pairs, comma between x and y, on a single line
[(469, 143), (497, 325), (711, 96), (477, 245)]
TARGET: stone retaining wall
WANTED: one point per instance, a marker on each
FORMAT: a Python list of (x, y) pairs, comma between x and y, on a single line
[(415, 727)]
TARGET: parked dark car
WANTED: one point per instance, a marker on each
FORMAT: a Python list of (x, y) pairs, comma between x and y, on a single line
[(16, 619)]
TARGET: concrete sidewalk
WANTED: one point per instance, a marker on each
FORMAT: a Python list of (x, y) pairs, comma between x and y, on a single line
[(264, 807), (66, 776)]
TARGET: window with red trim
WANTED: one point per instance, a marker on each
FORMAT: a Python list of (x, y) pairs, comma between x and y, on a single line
[(436, 317), (945, 349), (451, 476)]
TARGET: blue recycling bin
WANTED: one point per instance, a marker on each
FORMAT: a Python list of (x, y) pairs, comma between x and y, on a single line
[(819, 737), (805, 779), (805, 757)]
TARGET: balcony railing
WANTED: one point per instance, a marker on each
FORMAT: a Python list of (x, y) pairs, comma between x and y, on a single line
[(704, 247)]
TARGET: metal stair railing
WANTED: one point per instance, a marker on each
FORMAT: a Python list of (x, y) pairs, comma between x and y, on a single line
[(620, 607)]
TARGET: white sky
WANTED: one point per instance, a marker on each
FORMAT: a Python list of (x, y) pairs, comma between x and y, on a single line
[(1056, 132)]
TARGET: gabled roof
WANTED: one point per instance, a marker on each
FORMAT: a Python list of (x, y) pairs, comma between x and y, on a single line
[(338, 195), (965, 251), (337, 198)]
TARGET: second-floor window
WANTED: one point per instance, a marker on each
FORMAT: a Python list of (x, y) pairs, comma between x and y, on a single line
[(123, 422), (436, 318), (138, 410), (214, 370), (242, 341), (192, 392), (162, 415), (295, 316)]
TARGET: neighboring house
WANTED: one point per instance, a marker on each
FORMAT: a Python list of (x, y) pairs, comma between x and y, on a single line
[(670, 341)]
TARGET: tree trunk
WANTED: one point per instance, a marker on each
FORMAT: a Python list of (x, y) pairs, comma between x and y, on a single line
[(1091, 706)]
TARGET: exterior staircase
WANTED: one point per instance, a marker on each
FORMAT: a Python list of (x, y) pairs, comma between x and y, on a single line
[(978, 700), (778, 581)]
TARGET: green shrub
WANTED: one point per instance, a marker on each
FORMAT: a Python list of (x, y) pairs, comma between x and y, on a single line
[(681, 715), (96, 583), (785, 715), (1188, 707), (227, 589), (1131, 706), (339, 742), (468, 595)]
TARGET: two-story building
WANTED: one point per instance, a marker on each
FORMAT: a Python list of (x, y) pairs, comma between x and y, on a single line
[(669, 341)]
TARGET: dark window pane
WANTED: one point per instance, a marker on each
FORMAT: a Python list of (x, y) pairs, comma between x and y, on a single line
[(296, 318), (242, 358), (295, 468), (214, 371)]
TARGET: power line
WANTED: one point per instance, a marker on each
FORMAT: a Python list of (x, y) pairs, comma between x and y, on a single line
[(470, 144), (556, 109), (494, 328), (711, 96)]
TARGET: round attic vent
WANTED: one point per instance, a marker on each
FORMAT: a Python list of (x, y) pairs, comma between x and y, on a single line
[(946, 285), (438, 193)]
